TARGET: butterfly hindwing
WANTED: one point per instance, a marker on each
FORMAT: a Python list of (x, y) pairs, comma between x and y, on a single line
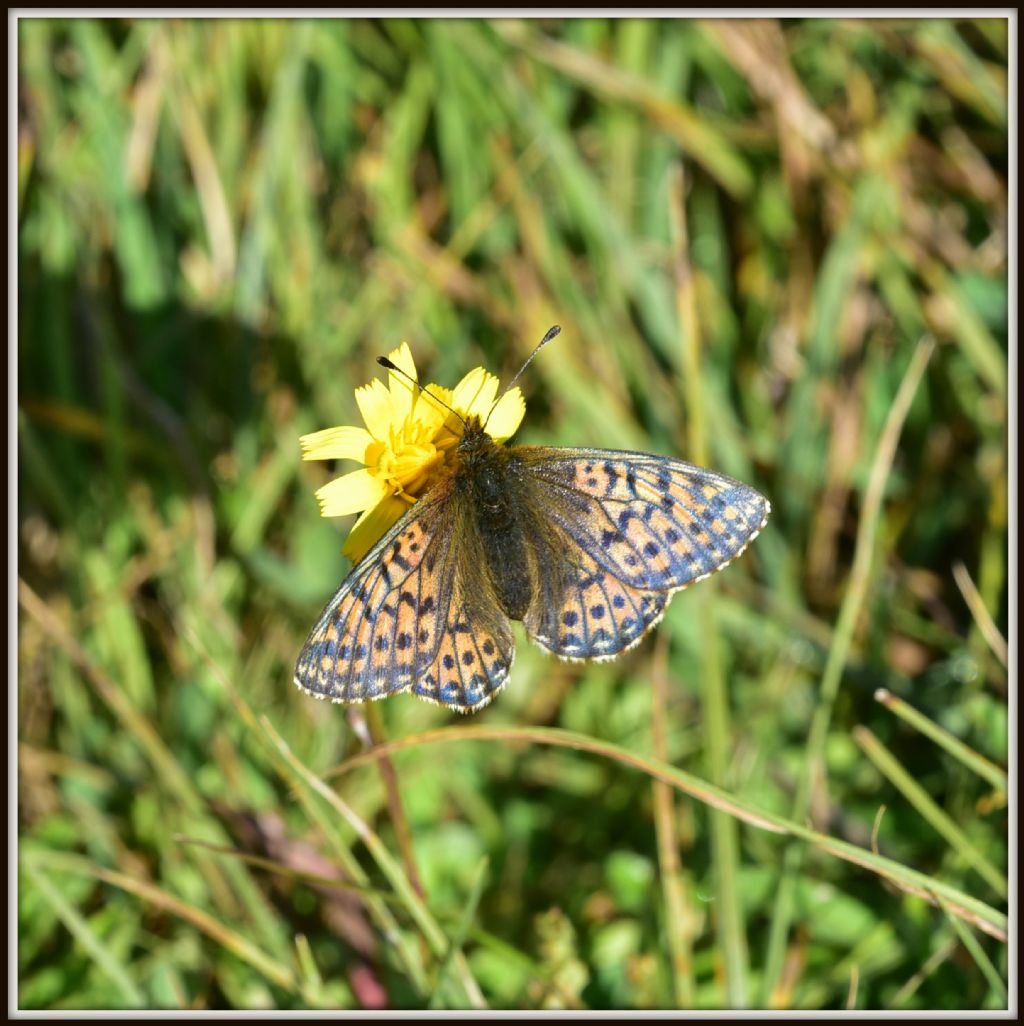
[(384, 626), (597, 616), (654, 523), (476, 648), (473, 660)]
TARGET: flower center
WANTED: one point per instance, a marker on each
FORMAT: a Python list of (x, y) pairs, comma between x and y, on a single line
[(408, 461)]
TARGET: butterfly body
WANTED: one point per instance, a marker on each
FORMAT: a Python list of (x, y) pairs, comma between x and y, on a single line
[(584, 546), (494, 491)]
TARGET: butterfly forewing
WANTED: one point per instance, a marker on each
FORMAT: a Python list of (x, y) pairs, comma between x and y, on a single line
[(653, 522)]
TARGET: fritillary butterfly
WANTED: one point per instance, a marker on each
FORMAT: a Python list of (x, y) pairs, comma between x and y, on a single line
[(584, 546)]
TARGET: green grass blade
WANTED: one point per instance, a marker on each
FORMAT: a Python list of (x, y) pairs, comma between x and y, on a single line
[(971, 759), (970, 908), (461, 931), (842, 640), (977, 952), (230, 939), (391, 868), (81, 931), (919, 798)]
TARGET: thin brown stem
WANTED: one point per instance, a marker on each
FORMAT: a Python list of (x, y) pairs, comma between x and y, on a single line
[(678, 916), (396, 810)]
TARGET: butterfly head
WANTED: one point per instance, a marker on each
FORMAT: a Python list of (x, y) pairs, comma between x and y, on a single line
[(482, 467), (474, 437), (477, 450)]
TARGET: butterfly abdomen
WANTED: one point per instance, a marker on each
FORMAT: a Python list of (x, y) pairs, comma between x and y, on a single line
[(507, 563), (489, 479)]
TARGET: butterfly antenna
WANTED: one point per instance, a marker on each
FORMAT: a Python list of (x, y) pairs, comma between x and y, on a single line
[(385, 362), (551, 333)]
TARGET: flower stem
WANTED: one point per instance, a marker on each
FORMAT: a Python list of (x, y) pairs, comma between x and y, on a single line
[(394, 797)]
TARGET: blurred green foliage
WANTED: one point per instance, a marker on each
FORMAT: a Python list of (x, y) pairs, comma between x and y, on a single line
[(744, 228)]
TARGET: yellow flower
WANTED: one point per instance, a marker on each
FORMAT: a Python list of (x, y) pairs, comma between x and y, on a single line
[(408, 440)]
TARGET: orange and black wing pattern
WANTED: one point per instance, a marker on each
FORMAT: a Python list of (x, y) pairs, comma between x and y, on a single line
[(383, 627), (637, 527), (474, 657), (595, 615), (412, 616)]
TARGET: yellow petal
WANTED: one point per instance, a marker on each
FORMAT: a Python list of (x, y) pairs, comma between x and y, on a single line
[(371, 527), (337, 443), (475, 393), (507, 415), (403, 392), (428, 410), (350, 493), (402, 357), (374, 401)]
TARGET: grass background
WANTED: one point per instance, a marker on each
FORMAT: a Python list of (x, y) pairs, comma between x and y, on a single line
[(752, 233)]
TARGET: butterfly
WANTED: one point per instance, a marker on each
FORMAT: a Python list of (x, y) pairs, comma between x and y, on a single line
[(584, 546)]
